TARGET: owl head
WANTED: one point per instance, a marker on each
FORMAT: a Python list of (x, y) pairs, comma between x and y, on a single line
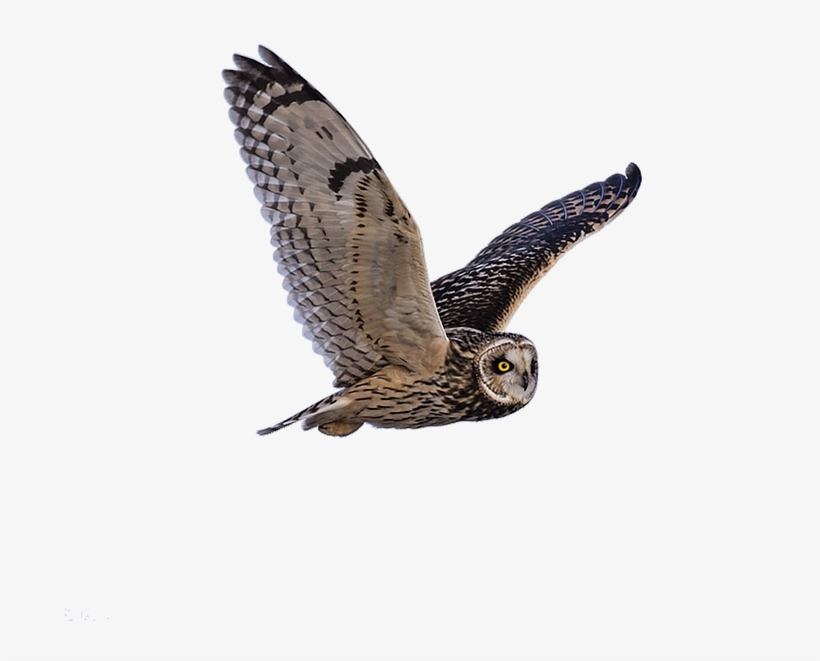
[(507, 370)]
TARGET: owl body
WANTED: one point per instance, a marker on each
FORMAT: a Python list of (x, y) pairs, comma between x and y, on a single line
[(405, 352), (501, 366)]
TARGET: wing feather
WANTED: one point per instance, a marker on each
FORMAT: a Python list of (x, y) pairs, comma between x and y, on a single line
[(350, 253), (486, 293)]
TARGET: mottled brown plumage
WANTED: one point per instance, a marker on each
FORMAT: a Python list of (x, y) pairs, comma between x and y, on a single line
[(405, 353)]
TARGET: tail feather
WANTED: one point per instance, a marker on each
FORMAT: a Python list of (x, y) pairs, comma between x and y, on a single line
[(323, 411)]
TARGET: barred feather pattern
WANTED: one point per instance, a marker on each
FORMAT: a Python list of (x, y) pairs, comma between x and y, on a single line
[(486, 292), (348, 249)]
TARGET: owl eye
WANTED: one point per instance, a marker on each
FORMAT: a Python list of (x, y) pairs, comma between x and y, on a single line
[(501, 366)]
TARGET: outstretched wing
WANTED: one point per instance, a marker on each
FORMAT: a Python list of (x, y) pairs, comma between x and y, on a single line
[(486, 293), (349, 250)]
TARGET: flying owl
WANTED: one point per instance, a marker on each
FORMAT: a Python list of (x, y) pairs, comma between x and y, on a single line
[(406, 353)]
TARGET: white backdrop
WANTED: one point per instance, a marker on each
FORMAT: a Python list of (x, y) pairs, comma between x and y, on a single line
[(658, 499)]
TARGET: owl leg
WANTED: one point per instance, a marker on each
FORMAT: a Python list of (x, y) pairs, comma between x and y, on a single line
[(336, 417), (339, 428)]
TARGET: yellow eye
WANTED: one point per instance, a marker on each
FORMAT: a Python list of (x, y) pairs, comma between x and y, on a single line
[(502, 366)]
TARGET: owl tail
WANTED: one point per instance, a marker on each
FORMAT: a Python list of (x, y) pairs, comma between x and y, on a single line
[(328, 414)]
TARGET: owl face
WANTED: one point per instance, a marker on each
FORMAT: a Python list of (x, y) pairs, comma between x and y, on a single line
[(508, 371)]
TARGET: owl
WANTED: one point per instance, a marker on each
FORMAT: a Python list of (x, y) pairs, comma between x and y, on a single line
[(405, 352)]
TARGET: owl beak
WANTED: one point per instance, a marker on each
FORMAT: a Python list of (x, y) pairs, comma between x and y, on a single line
[(525, 380)]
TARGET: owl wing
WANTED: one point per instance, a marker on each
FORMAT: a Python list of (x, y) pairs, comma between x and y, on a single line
[(350, 253), (486, 293)]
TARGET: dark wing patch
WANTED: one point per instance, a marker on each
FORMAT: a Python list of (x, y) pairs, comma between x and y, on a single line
[(486, 293)]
